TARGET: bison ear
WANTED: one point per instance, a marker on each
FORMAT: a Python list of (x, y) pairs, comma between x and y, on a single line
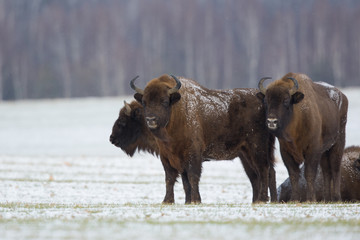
[(297, 97), (174, 97), (261, 96), (138, 97)]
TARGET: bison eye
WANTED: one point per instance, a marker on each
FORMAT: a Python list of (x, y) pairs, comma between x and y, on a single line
[(121, 124), (165, 103), (287, 103)]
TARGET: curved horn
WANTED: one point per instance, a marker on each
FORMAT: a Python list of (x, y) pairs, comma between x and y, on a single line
[(127, 109), (295, 87), (177, 87), (261, 85), (132, 85)]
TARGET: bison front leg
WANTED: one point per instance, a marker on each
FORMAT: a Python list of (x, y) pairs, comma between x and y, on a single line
[(311, 166), (171, 175), (262, 165), (294, 174), (187, 187), (252, 175), (272, 184), (334, 162)]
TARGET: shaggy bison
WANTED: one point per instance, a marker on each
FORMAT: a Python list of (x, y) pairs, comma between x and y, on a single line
[(192, 123), (350, 180), (309, 119), (130, 132)]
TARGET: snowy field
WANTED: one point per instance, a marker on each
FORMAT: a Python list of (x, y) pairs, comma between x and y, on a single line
[(60, 178)]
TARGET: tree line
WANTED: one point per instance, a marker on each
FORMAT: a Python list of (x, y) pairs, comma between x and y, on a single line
[(79, 48)]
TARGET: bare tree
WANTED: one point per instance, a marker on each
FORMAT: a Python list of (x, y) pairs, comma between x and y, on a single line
[(251, 38), (91, 48)]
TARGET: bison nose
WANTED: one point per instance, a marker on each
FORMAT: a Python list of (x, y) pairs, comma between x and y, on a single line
[(151, 122), (272, 123), (112, 139)]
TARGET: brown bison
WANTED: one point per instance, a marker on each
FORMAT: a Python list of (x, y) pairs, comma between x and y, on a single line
[(350, 180), (130, 132), (192, 124), (309, 119)]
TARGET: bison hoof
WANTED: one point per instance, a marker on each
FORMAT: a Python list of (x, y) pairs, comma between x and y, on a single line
[(168, 202), (259, 202)]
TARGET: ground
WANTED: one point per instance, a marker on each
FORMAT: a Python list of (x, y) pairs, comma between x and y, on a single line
[(62, 179)]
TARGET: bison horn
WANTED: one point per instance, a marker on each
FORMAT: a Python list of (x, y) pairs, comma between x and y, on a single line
[(127, 109), (261, 85), (295, 87), (132, 85), (177, 87)]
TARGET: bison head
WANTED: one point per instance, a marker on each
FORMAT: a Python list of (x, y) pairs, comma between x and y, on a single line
[(128, 127), (279, 99), (157, 99)]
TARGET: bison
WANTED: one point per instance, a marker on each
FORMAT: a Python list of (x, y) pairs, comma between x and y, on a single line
[(191, 124), (350, 180), (309, 120), (130, 132)]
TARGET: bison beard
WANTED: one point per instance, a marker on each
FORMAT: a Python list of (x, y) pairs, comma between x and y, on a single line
[(309, 121), (194, 124), (130, 132)]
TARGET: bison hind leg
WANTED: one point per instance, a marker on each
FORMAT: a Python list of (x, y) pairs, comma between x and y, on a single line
[(253, 177), (326, 170), (334, 162)]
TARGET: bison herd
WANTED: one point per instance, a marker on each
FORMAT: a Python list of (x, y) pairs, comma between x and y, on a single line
[(186, 124)]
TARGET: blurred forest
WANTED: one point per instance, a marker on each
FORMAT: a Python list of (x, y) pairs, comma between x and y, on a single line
[(79, 48)]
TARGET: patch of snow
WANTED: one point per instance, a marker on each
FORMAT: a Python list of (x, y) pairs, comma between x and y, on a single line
[(333, 92), (195, 96), (325, 84)]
